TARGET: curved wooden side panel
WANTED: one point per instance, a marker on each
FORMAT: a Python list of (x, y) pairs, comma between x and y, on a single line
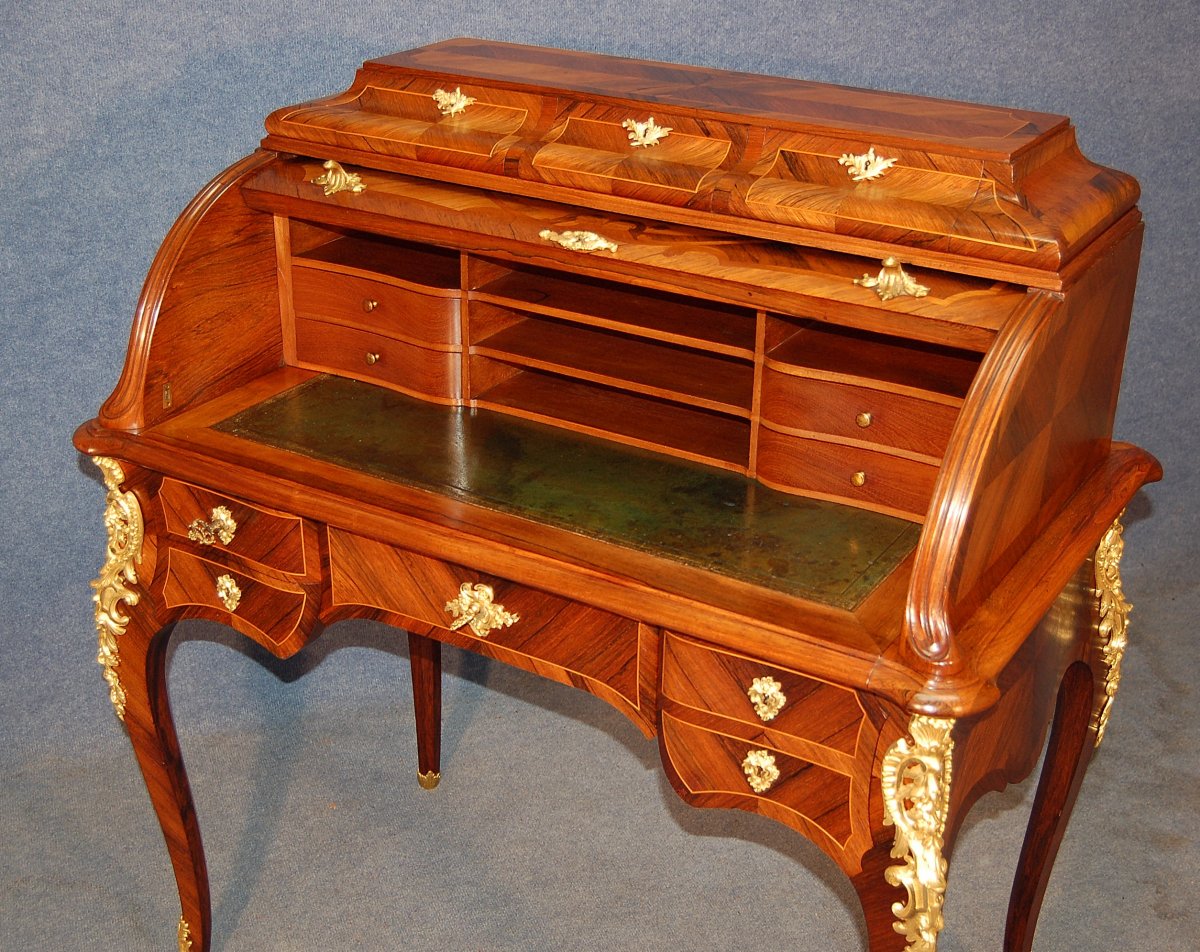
[(1036, 422), (208, 317)]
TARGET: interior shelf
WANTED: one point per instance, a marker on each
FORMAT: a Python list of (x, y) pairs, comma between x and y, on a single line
[(653, 369), (657, 315), (374, 256), (861, 356), (641, 421)]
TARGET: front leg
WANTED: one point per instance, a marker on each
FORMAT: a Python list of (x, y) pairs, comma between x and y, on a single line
[(132, 652)]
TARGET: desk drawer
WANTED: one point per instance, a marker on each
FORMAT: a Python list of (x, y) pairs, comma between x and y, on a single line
[(269, 611), (761, 698), (715, 769), (606, 654), (857, 475), (857, 413), (371, 356), (263, 537), (375, 306)]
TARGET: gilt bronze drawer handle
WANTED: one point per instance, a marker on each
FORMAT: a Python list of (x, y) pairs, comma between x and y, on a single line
[(643, 135), (228, 592), (892, 282), (866, 167), (452, 104), (766, 694), (336, 179), (371, 358), (369, 305), (859, 479), (220, 525), (864, 420), (578, 240), (475, 608), (760, 770)]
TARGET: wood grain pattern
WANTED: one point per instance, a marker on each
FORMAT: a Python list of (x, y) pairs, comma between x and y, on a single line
[(1038, 419), (208, 316)]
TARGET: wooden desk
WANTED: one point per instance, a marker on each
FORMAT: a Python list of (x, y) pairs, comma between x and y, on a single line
[(777, 415)]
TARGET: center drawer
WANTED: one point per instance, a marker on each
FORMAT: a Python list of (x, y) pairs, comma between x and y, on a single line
[(609, 655)]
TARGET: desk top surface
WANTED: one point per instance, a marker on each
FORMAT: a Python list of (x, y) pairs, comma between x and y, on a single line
[(687, 512)]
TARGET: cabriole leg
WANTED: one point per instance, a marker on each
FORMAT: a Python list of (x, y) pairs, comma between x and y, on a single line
[(1067, 757), (132, 651)]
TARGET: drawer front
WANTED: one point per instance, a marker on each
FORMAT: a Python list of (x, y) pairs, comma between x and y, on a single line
[(852, 474), (719, 770), (636, 151), (531, 629), (269, 611), (857, 413), (263, 537), (386, 309), (368, 356), (760, 696)]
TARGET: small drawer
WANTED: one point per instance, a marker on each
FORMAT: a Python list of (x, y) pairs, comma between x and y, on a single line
[(273, 540), (269, 611), (716, 769), (402, 313), (759, 695), (857, 413), (370, 356), (637, 151), (852, 474)]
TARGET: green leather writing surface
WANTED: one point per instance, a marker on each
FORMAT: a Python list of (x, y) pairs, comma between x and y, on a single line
[(706, 517)]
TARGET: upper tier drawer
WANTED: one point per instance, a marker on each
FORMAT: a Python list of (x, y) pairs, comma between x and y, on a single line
[(376, 306), (849, 412), (637, 152), (451, 121), (271, 539)]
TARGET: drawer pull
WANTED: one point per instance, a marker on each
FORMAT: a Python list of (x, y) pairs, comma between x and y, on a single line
[(452, 104), (475, 608), (859, 479), (220, 525), (643, 135), (760, 770), (578, 240), (866, 167), (372, 358), (892, 282), (369, 305), (864, 420), (336, 179), (228, 592), (766, 694)]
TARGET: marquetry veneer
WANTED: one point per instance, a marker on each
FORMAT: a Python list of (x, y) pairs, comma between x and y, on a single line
[(774, 414)]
